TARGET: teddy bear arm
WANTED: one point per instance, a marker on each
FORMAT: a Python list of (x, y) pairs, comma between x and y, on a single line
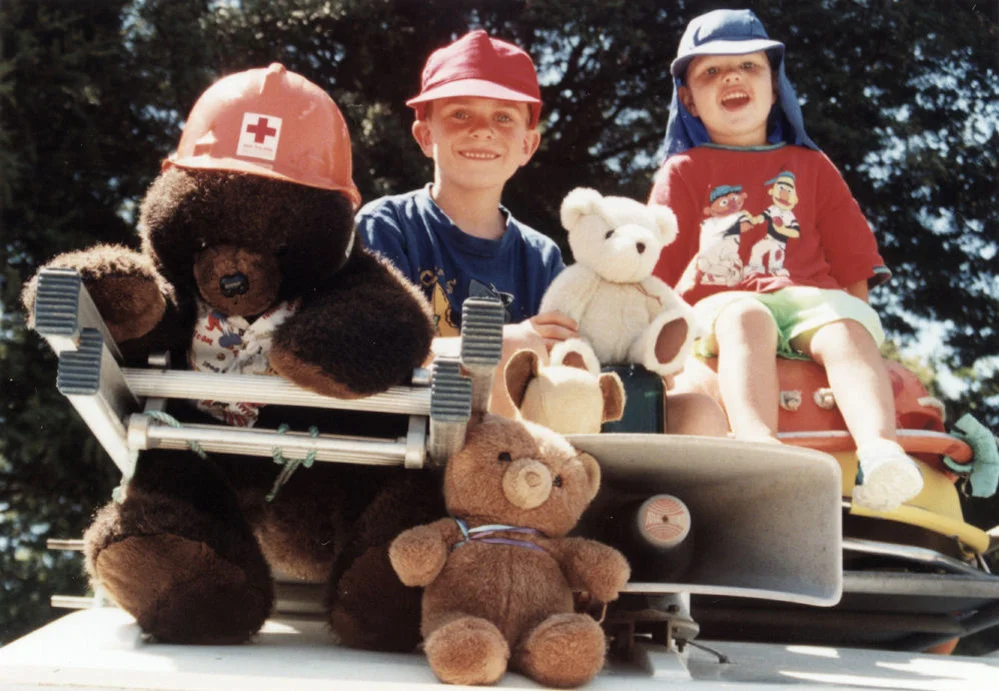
[(365, 331), (658, 296), (669, 338), (594, 567), (124, 285), (570, 292), (418, 554)]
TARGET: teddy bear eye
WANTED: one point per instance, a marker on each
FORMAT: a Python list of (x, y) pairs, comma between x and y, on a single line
[(505, 456), (608, 234), (557, 481), (201, 243)]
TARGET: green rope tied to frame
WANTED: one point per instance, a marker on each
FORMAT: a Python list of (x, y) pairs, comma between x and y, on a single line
[(170, 420), (290, 465)]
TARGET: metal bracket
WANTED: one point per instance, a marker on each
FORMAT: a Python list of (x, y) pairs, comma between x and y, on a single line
[(481, 346), (89, 377), (450, 409), (63, 307)]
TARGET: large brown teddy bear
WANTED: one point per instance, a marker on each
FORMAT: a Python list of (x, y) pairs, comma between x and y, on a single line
[(499, 573), (249, 264)]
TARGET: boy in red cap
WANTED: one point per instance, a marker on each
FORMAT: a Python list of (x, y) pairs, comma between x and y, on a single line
[(476, 117), (741, 173)]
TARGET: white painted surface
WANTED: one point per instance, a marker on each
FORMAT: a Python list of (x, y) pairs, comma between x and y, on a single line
[(103, 649)]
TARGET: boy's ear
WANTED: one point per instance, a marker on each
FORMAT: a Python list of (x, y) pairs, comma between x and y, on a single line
[(687, 99), (532, 139), (424, 137)]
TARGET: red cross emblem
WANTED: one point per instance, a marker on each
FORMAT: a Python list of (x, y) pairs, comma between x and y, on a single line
[(259, 136), (260, 130)]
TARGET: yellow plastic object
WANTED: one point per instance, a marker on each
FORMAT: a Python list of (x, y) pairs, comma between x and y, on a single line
[(937, 507)]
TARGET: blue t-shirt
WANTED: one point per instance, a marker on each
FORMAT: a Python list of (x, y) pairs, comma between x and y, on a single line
[(450, 265)]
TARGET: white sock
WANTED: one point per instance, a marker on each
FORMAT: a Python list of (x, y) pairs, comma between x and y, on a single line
[(890, 476)]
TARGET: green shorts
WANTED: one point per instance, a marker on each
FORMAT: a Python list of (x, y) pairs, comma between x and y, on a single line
[(796, 310)]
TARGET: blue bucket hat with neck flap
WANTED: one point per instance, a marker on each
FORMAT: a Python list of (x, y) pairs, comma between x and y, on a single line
[(731, 32)]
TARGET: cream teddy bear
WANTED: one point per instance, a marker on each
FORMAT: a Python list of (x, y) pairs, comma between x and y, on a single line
[(569, 395), (624, 312)]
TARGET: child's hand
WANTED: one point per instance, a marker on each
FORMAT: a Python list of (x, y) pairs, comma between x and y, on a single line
[(541, 331)]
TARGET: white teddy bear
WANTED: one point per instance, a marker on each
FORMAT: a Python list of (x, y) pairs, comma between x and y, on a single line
[(624, 312)]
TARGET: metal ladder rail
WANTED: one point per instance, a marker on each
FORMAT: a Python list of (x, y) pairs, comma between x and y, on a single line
[(110, 398)]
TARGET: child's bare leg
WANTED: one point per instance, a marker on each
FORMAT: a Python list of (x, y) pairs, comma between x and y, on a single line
[(857, 377), (747, 369), (694, 413), (863, 392)]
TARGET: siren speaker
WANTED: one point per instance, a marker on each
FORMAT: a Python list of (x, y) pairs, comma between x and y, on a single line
[(767, 517)]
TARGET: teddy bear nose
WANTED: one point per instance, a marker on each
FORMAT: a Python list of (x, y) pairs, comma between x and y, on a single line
[(235, 284), (527, 483), (640, 247)]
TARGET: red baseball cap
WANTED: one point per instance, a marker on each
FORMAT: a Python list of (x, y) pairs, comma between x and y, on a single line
[(477, 65)]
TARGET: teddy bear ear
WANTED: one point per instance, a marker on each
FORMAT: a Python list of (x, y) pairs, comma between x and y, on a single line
[(577, 353), (592, 474), (579, 202), (612, 389), (520, 370), (665, 222)]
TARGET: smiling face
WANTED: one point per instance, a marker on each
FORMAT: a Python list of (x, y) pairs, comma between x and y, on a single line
[(476, 143), (732, 95)]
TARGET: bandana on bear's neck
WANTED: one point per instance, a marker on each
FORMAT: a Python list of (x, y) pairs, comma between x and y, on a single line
[(229, 344)]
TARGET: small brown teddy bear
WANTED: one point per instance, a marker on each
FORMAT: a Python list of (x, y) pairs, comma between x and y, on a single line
[(499, 573), (250, 264)]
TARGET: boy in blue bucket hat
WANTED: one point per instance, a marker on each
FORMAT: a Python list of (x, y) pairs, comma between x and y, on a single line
[(806, 254)]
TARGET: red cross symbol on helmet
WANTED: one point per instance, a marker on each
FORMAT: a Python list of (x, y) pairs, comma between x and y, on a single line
[(260, 130)]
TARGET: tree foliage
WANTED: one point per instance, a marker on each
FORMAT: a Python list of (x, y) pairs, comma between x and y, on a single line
[(902, 96)]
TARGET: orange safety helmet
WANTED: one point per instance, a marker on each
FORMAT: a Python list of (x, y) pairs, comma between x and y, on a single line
[(269, 122)]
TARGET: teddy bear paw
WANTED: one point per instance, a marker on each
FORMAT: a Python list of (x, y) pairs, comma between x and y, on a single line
[(132, 306), (309, 375), (182, 591), (469, 650), (565, 650), (123, 284), (667, 343)]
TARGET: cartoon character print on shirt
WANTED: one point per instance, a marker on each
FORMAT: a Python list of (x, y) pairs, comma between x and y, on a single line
[(445, 323), (767, 256), (233, 345), (439, 292), (718, 261)]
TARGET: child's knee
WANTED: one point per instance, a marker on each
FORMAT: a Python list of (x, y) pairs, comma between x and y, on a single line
[(837, 339), (746, 321), (695, 413)]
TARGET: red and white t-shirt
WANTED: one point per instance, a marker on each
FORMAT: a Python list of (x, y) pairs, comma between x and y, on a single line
[(761, 220)]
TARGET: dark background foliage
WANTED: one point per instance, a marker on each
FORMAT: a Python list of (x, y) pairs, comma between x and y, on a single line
[(93, 93)]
